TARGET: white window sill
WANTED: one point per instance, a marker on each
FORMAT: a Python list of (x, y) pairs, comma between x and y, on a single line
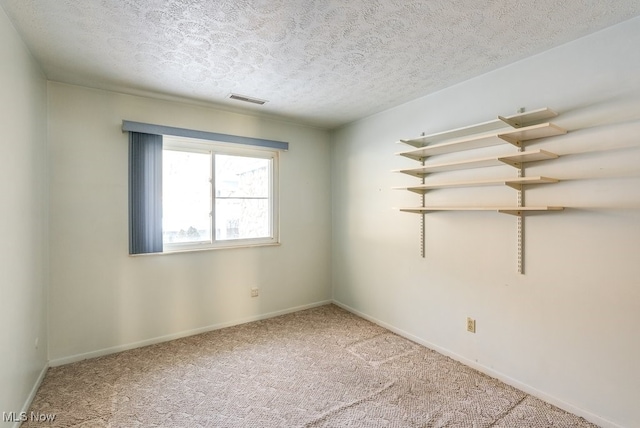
[(221, 247)]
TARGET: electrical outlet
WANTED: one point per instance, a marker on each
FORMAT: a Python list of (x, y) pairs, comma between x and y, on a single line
[(255, 292), (471, 325)]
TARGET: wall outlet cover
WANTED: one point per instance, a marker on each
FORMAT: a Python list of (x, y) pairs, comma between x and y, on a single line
[(471, 325)]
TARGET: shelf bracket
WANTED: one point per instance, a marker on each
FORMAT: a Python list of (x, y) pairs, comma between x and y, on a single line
[(519, 213), (516, 186), (418, 191), (512, 163), (511, 122), (413, 211), (510, 140), (413, 143)]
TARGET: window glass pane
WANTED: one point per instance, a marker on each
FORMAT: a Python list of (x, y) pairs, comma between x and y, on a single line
[(186, 196), (242, 197), (240, 176), (242, 218)]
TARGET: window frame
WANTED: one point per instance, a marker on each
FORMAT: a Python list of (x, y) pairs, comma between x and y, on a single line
[(214, 147)]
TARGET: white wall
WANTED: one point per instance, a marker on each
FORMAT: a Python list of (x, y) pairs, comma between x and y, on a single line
[(566, 330), (103, 299), (23, 216)]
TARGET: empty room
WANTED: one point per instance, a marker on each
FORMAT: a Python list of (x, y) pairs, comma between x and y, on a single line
[(304, 213)]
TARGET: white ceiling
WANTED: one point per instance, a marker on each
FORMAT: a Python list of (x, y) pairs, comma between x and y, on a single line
[(321, 62)]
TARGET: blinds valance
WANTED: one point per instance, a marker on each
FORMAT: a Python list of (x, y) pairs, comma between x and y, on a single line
[(147, 128)]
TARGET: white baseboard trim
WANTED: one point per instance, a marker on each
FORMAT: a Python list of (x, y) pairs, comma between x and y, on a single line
[(604, 423), (32, 393), (115, 349)]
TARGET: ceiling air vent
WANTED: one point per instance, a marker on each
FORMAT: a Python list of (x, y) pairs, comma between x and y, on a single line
[(247, 99)]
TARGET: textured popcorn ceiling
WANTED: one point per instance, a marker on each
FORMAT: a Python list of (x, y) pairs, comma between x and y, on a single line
[(323, 62)]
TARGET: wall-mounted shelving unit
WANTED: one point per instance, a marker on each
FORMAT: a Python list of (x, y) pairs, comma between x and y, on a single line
[(505, 209), (516, 137), (515, 160), (515, 183), (516, 130)]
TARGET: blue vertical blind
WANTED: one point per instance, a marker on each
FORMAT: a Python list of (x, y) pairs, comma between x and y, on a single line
[(145, 193)]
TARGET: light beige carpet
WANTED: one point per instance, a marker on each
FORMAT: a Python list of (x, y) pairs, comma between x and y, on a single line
[(322, 367)]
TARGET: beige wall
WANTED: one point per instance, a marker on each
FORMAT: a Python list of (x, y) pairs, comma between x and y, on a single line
[(23, 216), (567, 329), (104, 300)]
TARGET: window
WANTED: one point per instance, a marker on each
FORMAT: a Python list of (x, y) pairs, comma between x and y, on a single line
[(216, 195), (219, 194)]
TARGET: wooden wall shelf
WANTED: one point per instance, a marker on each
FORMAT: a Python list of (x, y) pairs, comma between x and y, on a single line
[(516, 183), (516, 137), (515, 160), (515, 121), (516, 130), (502, 209)]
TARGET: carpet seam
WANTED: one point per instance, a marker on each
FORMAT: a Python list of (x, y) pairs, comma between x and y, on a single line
[(507, 412), (354, 403)]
